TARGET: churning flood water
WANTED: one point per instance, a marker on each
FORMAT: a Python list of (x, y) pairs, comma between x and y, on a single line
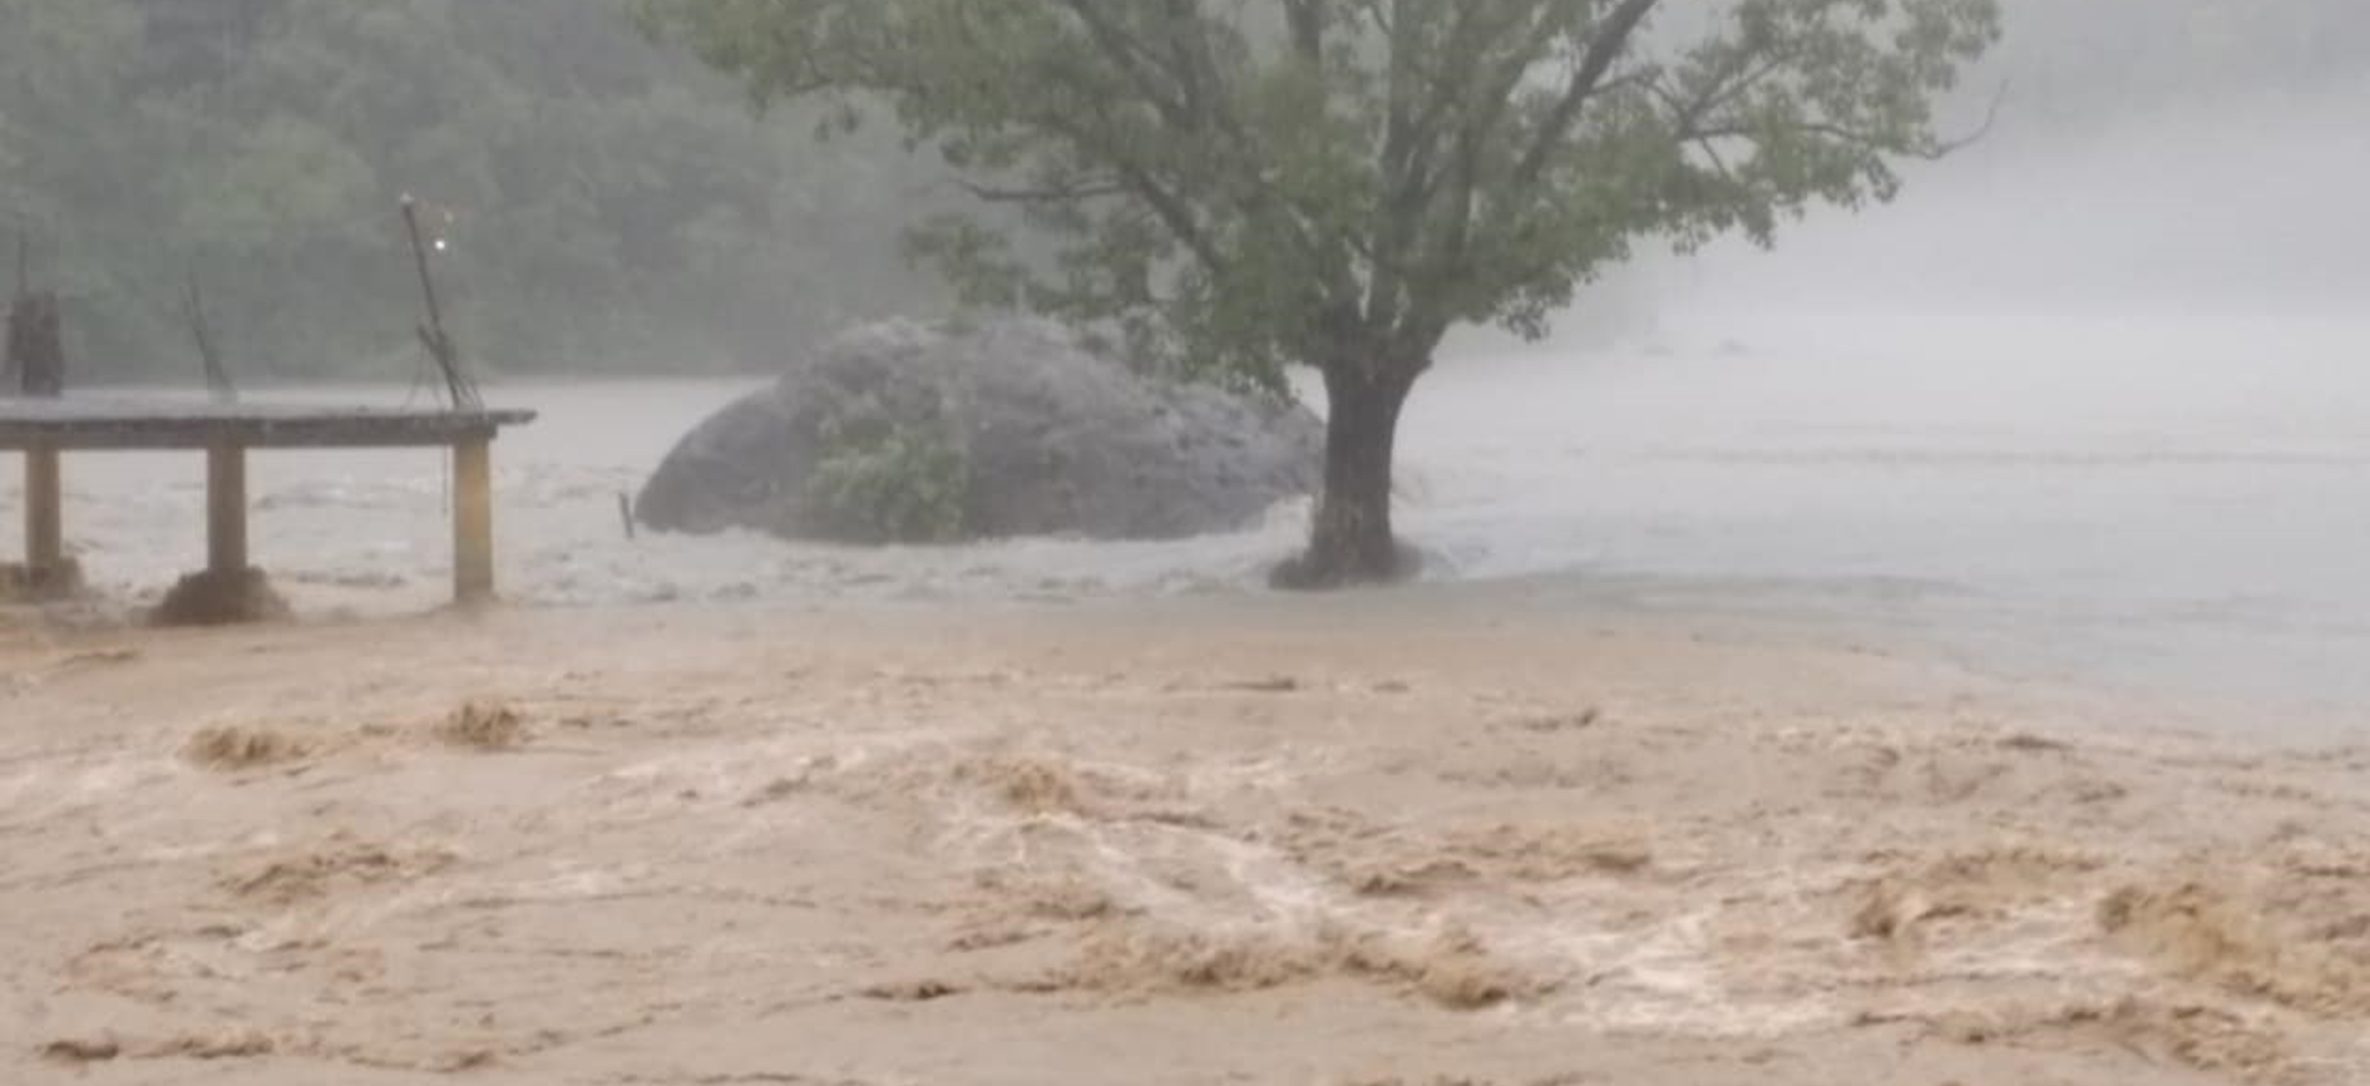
[(2169, 503)]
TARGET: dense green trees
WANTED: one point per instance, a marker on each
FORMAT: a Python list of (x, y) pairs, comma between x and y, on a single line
[(616, 206), (613, 205)]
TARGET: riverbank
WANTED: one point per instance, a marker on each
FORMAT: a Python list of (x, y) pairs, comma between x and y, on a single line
[(1227, 838)]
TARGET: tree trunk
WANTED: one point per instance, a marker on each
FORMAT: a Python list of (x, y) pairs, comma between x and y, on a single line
[(1351, 542)]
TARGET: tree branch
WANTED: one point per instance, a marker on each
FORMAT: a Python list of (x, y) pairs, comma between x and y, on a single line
[(1605, 49), (1133, 59), (1048, 194), (1991, 117)]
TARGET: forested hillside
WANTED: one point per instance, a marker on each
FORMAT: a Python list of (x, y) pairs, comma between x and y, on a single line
[(613, 205), (617, 207)]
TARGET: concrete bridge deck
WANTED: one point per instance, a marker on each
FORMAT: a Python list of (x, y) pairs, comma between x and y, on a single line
[(44, 430)]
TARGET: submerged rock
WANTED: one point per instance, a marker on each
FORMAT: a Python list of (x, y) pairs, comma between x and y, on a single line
[(20, 583), (902, 431)]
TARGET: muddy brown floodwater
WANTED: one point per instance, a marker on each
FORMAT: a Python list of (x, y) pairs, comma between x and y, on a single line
[(1154, 842)]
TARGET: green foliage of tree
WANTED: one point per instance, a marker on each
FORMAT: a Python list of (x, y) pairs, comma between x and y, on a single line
[(1246, 184), (614, 204), (890, 484)]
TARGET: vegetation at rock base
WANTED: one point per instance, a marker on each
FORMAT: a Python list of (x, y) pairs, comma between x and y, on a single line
[(889, 483)]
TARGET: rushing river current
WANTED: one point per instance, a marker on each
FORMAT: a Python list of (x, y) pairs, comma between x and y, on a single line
[(2172, 500)]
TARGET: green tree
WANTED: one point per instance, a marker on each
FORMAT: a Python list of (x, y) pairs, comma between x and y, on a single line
[(1240, 185), (65, 89)]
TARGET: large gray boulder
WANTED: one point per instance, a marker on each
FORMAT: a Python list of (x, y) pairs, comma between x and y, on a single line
[(907, 431)]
